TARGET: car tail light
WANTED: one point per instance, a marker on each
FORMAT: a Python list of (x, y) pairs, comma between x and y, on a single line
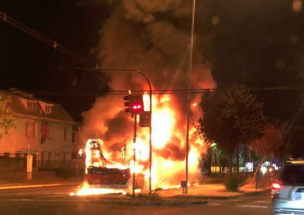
[(276, 187)]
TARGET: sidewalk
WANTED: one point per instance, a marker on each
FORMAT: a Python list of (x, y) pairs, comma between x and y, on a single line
[(212, 191)]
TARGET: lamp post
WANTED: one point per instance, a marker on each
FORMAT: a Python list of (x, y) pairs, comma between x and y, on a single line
[(188, 88), (150, 95)]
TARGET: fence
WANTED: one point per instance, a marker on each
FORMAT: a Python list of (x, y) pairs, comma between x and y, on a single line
[(57, 164), (13, 167), (16, 164)]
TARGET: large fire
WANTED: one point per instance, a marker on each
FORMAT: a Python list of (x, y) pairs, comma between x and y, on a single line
[(168, 152), (152, 38)]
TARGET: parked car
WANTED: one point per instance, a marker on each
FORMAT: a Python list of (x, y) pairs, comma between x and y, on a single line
[(288, 192)]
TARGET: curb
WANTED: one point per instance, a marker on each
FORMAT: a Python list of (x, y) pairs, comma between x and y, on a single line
[(159, 202), (235, 196), (206, 197)]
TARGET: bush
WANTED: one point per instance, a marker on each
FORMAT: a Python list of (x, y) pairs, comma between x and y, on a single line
[(234, 182), (153, 196)]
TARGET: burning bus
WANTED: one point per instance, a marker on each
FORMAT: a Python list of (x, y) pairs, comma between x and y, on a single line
[(99, 170)]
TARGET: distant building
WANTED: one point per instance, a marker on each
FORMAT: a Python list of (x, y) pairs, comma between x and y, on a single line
[(44, 129)]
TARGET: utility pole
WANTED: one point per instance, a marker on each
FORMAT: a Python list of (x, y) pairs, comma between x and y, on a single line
[(188, 89)]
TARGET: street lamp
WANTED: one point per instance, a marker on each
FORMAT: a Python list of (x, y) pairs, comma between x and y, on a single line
[(150, 95), (188, 88)]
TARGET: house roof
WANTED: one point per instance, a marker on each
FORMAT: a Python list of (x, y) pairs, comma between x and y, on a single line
[(19, 104)]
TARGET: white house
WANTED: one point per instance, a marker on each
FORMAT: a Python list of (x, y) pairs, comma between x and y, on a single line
[(44, 129)]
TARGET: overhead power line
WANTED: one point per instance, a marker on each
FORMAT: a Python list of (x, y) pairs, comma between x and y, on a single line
[(52, 43), (157, 92), (81, 59)]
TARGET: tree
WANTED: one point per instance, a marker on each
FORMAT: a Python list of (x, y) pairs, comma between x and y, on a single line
[(275, 142), (231, 116), (7, 119)]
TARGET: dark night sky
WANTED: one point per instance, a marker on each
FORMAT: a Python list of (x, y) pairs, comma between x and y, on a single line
[(252, 41), (258, 43), (29, 64)]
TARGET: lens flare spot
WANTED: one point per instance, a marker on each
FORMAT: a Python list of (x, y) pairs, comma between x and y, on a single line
[(215, 20), (297, 5), (294, 39)]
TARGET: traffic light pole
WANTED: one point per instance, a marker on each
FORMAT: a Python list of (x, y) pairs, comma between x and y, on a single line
[(150, 95), (134, 154)]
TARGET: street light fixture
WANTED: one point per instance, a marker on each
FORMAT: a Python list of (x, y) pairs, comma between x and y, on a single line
[(150, 95)]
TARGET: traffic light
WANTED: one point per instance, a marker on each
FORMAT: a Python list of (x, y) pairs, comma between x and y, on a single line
[(145, 119), (127, 103), (136, 104)]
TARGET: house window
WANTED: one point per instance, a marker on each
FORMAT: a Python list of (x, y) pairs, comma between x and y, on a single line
[(65, 132), (73, 137), (43, 158), (65, 155), (74, 155), (49, 160), (28, 129), (35, 129), (48, 109), (31, 129), (31, 105), (34, 164)]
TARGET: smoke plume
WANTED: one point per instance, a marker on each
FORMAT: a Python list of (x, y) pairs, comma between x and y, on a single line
[(153, 37)]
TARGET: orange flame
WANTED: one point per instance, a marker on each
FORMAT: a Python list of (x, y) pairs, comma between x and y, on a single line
[(168, 149)]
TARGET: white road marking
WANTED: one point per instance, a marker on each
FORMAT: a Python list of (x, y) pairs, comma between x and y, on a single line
[(265, 201), (252, 206), (235, 200), (214, 204)]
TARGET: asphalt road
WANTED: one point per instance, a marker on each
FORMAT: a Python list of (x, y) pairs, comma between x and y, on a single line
[(55, 201)]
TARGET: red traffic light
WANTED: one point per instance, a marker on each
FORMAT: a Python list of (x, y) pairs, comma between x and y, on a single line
[(136, 104), (137, 107)]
